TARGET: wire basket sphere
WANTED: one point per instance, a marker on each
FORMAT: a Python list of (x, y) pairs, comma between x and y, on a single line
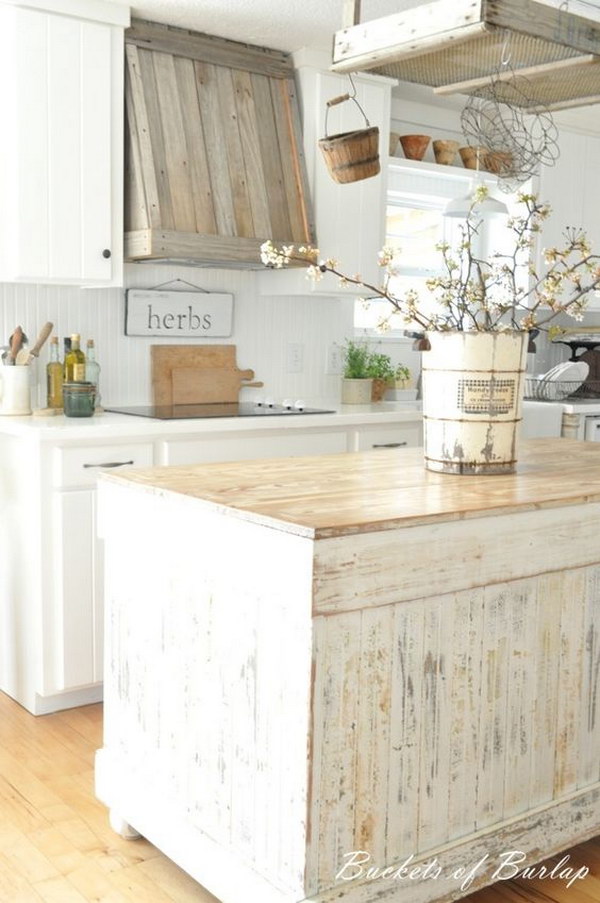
[(517, 135)]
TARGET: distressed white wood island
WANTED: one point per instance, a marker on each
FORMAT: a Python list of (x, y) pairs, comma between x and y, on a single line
[(312, 657)]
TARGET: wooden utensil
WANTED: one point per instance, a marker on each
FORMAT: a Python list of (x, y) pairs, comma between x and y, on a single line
[(210, 385), (26, 355), (16, 340)]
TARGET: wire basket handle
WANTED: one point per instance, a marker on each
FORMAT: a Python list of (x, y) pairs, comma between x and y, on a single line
[(341, 98)]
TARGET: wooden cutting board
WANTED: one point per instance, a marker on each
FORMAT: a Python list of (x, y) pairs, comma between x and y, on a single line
[(197, 374)]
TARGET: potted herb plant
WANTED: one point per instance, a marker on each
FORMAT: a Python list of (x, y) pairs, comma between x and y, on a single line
[(357, 381), (475, 340), (402, 377), (381, 369)]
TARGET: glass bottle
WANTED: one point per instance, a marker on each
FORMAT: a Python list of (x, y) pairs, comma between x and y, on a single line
[(74, 366), (54, 376), (92, 368)]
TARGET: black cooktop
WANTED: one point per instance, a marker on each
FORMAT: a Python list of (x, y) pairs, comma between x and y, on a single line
[(198, 411)]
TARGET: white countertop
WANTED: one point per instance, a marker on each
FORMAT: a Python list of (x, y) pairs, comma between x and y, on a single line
[(106, 426)]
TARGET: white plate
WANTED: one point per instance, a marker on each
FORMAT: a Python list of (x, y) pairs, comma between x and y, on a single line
[(571, 373)]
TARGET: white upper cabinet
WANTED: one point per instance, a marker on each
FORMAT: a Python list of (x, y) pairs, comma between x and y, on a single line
[(61, 156), (350, 217)]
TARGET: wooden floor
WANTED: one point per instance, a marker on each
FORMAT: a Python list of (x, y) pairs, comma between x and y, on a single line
[(56, 844)]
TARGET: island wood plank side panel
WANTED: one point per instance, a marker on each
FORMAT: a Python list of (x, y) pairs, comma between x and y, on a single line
[(490, 638), (208, 684), (589, 769), (571, 672), (550, 595), (405, 717), (441, 557), (463, 737)]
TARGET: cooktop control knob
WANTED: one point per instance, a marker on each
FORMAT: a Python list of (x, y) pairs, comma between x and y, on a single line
[(299, 404), (287, 403), (269, 402)]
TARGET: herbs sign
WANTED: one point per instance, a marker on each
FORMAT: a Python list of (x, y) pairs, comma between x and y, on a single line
[(198, 315)]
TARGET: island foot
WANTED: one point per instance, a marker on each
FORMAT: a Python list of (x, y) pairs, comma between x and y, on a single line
[(121, 827)]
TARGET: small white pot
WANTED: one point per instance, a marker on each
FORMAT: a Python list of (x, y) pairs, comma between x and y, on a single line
[(356, 391)]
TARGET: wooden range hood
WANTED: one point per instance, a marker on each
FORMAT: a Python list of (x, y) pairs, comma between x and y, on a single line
[(455, 46), (214, 160)]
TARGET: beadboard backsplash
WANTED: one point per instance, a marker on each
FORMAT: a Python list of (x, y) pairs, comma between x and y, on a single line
[(263, 327)]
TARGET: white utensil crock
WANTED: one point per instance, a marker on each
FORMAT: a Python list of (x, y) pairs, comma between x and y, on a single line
[(15, 390)]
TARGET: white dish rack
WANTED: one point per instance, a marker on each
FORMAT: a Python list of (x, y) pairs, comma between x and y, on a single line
[(539, 389)]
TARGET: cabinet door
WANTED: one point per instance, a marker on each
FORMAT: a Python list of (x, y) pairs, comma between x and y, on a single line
[(58, 145), (76, 657)]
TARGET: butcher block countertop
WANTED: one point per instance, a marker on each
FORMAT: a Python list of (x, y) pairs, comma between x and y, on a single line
[(333, 495)]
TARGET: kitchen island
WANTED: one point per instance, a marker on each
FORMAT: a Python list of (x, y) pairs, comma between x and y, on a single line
[(314, 657)]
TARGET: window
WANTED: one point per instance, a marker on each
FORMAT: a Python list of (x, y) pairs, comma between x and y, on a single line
[(414, 225)]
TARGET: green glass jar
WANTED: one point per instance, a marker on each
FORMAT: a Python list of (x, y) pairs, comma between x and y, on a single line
[(79, 399)]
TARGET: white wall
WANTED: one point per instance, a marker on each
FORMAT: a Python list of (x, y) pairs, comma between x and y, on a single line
[(263, 327)]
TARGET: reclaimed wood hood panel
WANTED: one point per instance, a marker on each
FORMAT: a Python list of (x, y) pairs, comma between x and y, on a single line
[(214, 160), (454, 48)]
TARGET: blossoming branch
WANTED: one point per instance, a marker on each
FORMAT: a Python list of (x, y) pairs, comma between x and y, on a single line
[(473, 293)]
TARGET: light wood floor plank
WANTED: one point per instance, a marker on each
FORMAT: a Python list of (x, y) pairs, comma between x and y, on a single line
[(56, 845)]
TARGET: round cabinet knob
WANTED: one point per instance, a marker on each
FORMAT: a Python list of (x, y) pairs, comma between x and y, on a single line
[(106, 253)]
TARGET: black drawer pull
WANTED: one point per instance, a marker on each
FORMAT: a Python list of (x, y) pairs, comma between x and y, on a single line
[(390, 445), (110, 464)]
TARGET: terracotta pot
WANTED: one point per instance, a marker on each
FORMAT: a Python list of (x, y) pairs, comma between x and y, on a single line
[(394, 136), (472, 156), (445, 151), (414, 146), (380, 386), (498, 161)]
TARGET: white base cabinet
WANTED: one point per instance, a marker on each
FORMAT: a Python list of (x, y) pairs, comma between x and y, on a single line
[(51, 559), (51, 594)]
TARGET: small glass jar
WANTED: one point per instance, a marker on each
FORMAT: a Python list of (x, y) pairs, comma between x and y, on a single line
[(79, 399)]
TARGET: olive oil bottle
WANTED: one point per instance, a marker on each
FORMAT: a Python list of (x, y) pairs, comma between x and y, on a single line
[(54, 376), (74, 366)]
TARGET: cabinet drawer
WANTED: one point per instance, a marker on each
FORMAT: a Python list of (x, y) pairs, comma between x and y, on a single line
[(75, 467), (403, 434), (248, 446)]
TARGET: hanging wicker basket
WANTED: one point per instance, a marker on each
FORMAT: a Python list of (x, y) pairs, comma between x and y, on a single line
[(351, 156)]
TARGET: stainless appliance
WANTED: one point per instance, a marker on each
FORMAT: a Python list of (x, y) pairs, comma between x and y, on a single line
[(228, 409)]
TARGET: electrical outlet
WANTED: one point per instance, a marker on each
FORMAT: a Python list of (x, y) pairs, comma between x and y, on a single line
[(334, 360), (295, 357)]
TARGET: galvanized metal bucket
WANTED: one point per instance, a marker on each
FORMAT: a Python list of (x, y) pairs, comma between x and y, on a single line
[(472, 400)]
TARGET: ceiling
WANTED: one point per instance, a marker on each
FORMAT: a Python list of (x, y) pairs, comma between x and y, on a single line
[(293, 24), (279, 24)]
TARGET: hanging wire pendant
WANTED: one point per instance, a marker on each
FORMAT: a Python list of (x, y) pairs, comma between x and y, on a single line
[(517, 134)]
